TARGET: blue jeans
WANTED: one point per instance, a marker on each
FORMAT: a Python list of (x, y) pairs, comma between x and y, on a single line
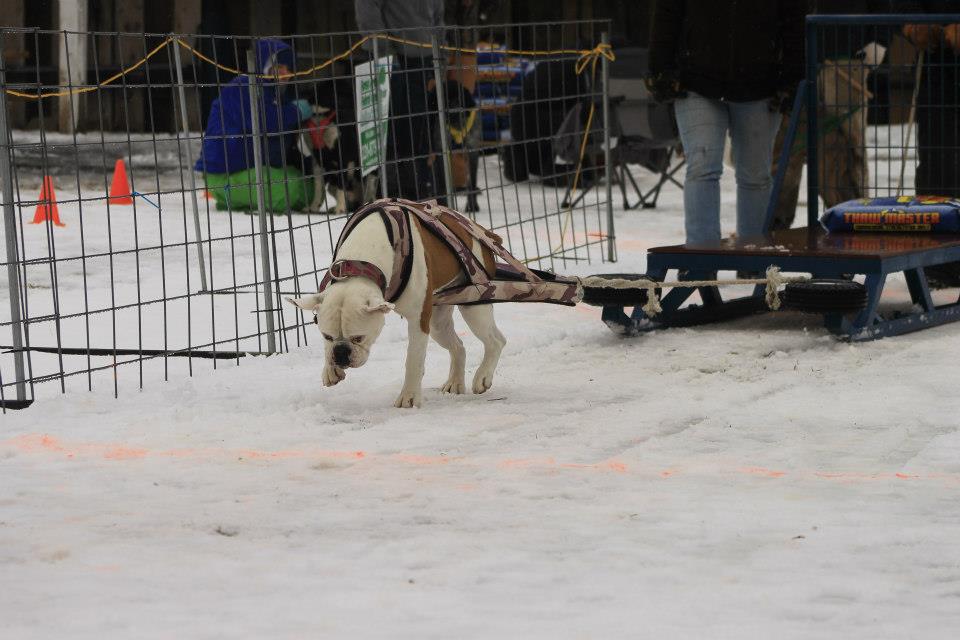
[(703, 126)]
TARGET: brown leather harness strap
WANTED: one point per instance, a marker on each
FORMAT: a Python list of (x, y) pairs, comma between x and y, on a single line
[(398, 234), (436, 216)]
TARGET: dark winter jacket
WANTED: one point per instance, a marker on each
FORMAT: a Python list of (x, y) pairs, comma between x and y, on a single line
[(941, 61), (228, 141), (737, 50), (414, 20), (841, 42)]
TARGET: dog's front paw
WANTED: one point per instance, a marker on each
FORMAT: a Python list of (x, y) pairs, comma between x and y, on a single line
[(333, 375), (482, 381), (408, 399), (453, 386)]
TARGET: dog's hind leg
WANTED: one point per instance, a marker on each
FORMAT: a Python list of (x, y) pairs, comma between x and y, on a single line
[(341, 206), (443, 332), (411, 394), (319, 193), (370, 185), (480, 320)]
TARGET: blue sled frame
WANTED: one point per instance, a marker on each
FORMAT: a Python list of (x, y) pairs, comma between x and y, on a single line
[(869, 324)]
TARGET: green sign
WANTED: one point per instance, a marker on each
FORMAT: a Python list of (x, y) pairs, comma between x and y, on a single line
[(373, 107)]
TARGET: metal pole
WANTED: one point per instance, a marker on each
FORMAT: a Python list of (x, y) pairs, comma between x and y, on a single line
[(917, 77), (381, 159), (607, 154), (182, 97), (10, 234), (441, 89), (813, 94), (261, 207)]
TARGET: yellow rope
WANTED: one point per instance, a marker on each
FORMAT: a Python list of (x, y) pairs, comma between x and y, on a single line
[(586, 57), (298, 74), (590, 58), (113, 78)]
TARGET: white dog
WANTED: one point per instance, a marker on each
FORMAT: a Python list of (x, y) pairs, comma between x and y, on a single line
[(350, 310)]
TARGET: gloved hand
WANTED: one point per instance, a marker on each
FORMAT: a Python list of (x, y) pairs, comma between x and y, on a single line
[(782, 100), (664, 86), (923, 36), (306, 111), (951, 33)]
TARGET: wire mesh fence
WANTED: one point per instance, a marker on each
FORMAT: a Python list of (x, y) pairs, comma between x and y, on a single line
[(168, 191), (885, 109)]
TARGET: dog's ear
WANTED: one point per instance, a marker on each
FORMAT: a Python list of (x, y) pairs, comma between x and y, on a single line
[(381, 307), (307, 303)]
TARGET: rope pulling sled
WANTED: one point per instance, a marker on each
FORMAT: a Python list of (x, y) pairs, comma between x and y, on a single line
[(506, 279)]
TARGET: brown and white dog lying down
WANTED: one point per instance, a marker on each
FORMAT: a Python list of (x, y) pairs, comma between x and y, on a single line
[(350, 311)]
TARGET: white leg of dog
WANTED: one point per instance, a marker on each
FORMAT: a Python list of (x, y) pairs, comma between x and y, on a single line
[(332, 375), (411, 394), (480, 320), (442, 330)]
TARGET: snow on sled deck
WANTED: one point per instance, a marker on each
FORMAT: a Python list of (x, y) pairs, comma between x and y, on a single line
[(499, 277)]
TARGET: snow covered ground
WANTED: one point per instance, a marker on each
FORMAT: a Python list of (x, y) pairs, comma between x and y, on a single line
[(753, 479)]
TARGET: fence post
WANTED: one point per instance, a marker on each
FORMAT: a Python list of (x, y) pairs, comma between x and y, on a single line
[(608, 153), (441, 89), (182, 98), (10, 234), (813, 99), (381, 146), (268, 301)]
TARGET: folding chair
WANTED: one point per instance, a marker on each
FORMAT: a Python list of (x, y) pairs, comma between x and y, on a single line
[(642, 131)]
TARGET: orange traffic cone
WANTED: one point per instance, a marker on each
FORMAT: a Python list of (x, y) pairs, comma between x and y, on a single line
[(120, 188), (47, 207)]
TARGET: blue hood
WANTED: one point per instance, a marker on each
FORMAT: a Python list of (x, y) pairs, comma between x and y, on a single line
[(268, 47), (228, 140)]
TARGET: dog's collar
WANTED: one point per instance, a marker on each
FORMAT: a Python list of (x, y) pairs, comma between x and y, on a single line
[(343, 269), (317, 125), (397, 226)]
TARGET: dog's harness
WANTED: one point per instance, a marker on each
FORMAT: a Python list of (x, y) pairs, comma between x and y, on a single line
[(317, 125), (512, 281)]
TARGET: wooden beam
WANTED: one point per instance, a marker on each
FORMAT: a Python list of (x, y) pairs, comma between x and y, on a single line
[(130, 49), (72, 60), (12, 13), (186, 20)]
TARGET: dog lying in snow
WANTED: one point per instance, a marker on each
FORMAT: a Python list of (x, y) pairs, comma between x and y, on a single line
[(421, 260)]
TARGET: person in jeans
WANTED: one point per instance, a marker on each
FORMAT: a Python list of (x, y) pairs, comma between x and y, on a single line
[(729, 65)]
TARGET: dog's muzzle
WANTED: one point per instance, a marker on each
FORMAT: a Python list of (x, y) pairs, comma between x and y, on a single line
[(341, 354)]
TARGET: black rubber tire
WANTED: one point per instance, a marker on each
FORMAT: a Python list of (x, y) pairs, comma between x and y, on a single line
[(605, 297), (823, 295)]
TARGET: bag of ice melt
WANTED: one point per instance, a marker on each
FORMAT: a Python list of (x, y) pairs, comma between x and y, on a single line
[(923, 214)]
